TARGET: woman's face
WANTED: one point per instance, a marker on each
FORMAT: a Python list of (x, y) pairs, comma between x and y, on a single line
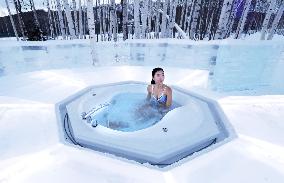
[(159, 77)]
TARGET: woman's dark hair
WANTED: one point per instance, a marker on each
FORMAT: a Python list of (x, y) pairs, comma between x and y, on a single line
[(154, 72)]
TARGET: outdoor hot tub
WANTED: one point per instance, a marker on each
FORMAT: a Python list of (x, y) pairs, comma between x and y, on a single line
[(101, 118)]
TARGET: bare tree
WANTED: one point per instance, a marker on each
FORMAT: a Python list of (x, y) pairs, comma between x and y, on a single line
[(164, 25), (209, 19), (104, 19), (70, 22), (224, 18), (180, 31), (85, 19), (61, 20), (80, 20), (243, 19), (149, 18), (276, 21), (144, 12), (50, 19), (195, 15), (232, 17), (183, 9), (100, 20), (18, 8), (110, 22), (55, 19), (113, 20), (172, 18), (267, 18), (11, 19), (157, 19), (124, 18), (137, 19), (75, 17), (184, 17), (189, 16), (92, 30)]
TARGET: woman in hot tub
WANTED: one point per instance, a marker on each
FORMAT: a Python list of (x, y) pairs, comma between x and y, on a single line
[(159, 94), (159, 98)]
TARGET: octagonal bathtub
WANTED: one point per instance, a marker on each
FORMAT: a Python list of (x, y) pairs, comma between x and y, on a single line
[(93, 119)]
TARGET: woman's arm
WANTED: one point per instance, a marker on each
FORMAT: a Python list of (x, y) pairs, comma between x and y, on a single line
[(169, 97)]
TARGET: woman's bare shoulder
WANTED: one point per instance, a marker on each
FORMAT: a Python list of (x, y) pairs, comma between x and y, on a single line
[(168, 88)]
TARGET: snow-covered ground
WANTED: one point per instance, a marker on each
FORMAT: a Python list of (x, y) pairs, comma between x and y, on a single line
[(32, 148)]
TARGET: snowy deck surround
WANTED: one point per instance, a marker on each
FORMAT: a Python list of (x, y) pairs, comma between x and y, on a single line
[(31, 149), (192, 127)]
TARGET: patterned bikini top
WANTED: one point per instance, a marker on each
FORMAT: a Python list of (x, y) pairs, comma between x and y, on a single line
[(162, 98)]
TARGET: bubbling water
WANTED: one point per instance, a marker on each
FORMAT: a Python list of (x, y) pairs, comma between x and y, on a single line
[(130, 112)]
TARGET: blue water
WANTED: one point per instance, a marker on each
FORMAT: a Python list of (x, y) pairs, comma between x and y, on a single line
[(130, 112)]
